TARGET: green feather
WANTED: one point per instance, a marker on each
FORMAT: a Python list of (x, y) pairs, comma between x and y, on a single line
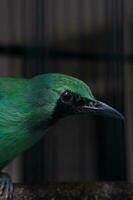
[(27, 103)]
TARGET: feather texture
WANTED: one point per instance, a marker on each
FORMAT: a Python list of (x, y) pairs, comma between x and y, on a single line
[(26, 109)]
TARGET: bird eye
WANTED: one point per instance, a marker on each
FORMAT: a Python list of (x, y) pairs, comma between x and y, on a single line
[(66, 97)]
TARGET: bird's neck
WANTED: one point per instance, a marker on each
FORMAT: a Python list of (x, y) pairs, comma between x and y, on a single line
[(40, 120)]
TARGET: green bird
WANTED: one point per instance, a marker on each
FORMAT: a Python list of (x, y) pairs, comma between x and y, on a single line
[(28, 107)]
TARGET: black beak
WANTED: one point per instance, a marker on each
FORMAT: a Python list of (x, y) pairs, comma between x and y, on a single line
[(100, 108)]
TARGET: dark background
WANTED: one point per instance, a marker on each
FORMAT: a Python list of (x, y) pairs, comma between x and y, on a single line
[(91, 40)]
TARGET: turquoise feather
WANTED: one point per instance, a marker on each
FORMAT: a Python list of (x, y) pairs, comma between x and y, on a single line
[(27, 103)]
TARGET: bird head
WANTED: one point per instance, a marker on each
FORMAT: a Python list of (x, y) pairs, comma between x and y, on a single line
[(64, 95)]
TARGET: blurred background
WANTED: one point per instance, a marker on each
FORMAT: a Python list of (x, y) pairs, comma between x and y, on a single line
[(91, 40)]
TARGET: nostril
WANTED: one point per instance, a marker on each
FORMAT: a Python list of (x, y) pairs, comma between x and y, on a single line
[(91, 103)]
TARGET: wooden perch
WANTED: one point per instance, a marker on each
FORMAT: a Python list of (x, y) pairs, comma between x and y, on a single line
[(75, 191)]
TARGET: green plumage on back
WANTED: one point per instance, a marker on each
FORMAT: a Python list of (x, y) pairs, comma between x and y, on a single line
[(13, 112)]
